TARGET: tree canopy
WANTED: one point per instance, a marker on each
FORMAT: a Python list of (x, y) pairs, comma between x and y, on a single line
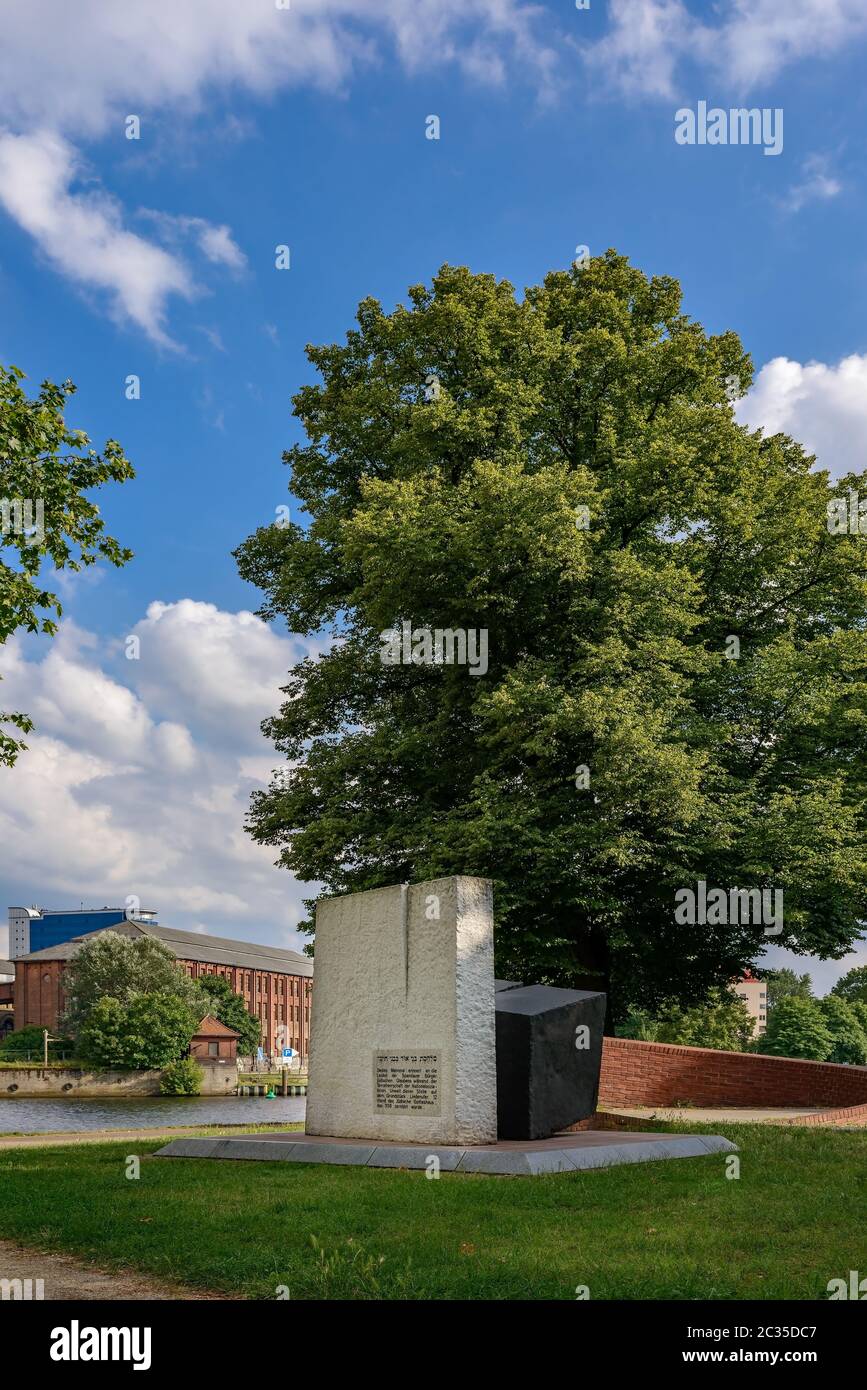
[(150, 1031), (46, 518), (122, 968), (784, 982), (797, 1028), (853, 985), (675, 685)]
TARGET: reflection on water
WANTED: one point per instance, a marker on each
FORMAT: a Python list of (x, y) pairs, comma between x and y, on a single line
[(32, 1115)]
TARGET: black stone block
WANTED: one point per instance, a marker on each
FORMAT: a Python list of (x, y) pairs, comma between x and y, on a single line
[(545, 1082)]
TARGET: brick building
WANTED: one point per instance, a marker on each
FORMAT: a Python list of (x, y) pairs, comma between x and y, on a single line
[(273, 982), (213, 1041)]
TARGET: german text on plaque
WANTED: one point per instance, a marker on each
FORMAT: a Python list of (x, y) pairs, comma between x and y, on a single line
[(406, 1082)]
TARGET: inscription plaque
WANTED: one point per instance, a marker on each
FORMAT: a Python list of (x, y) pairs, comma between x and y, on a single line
[(406, 1082)]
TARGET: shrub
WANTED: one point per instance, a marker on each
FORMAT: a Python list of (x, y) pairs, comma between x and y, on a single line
[(30, 1040), (181, 1078), (151, 1031), (722, 1021), (638, 1024)]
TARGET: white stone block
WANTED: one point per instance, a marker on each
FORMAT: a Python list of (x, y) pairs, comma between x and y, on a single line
[(402, 1027)]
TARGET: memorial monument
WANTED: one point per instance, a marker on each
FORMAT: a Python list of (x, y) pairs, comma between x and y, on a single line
[(420, 1060), (402, 1027)]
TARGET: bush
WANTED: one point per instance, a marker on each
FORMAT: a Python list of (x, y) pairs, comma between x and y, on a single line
[(181, 1078), (847, 1034), (721, 1022), (638, 1024), (30, 1040), (152, 1031), (797, 1028)]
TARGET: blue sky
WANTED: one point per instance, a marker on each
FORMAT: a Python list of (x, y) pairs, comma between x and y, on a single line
[(306, 126)]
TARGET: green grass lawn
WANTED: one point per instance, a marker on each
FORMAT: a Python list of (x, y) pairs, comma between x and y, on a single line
[(674, 1230)]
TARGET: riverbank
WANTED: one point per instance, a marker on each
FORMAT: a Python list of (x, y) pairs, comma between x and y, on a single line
[(59, 1138), (53, 1115), (29, 1079)]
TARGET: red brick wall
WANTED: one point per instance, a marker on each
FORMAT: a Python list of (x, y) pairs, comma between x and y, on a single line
[(639, 1073), (38, 996), (226, 1049)]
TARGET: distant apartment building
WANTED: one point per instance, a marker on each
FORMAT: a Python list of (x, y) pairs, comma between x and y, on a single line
[(274, 983), (754, 994), (35, 928)]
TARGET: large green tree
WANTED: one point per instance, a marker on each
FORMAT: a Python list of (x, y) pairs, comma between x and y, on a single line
[(47, 520), (784, 983), (798, 1028), (853, 985), (564, 470), (112, 965)]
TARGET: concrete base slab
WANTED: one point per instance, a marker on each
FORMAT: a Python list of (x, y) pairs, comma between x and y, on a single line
[(564, 1153)]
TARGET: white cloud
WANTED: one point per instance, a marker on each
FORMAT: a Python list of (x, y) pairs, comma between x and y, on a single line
[(82, 233), (640, 53), (760, 37), (137, 777), (215, 242), (650, 40), (82, 67), (823, 407), (228, 667), (816, 185)]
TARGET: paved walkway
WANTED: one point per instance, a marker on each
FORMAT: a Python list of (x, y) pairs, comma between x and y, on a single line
[(767, 1115), (65, 1277)]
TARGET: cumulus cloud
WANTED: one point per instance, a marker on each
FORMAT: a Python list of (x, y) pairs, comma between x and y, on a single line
[(823, 407), (226, 666), (137, 777), (649, 41), (81, 67), (82, 233)]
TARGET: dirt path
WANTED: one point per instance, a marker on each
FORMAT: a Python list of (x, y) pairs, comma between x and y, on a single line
[(65, 1277)]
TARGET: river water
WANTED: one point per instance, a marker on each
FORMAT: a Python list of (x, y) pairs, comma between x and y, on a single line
[(35, 1116)]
